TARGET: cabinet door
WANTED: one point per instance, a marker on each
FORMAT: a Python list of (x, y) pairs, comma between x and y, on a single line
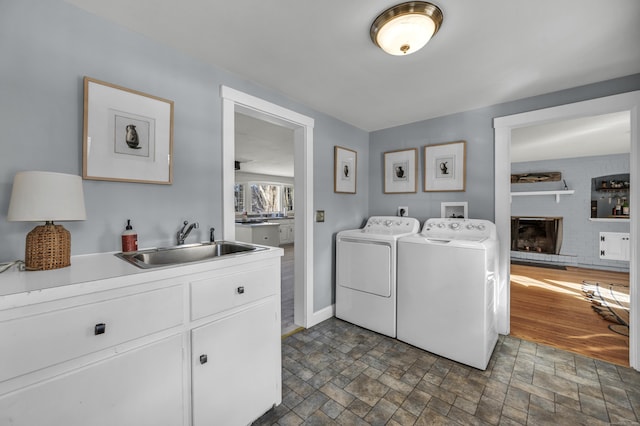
[(240, 378), (140, 387), (266, 235)]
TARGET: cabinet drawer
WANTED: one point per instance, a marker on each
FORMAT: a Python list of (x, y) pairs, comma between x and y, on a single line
[(216, 294), (141, 387), (47, 339)]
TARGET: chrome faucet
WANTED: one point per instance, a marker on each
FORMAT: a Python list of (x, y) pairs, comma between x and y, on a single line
[(183, 234)]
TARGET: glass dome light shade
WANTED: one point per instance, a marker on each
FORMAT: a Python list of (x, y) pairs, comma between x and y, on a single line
[(405, 34), (405, 28)]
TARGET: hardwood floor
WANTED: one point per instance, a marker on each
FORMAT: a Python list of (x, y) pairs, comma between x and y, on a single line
[(548, 307), (286, 290)]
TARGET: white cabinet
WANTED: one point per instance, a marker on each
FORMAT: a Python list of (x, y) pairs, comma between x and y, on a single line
[(287, 231), (94, 360), (236, 365), (615, 246), (266, 234), (234, 379), (190, 345), (139, 387), (79, 328)]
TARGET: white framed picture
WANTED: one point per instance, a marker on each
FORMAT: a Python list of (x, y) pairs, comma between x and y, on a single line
[(345, 163), (127, 135), (400, 171), (444, 167), (454, 210)]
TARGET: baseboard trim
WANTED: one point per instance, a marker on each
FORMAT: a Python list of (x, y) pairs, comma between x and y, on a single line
[(322, 315)]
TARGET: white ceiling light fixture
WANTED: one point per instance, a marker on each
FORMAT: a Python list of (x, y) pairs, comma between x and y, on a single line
[(405, 28)]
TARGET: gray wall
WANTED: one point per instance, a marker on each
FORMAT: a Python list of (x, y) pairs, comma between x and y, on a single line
[(580, 244), (476, 127), (47, 46)]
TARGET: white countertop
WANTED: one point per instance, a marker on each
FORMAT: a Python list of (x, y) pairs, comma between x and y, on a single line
[(103, 271), (252, 224)]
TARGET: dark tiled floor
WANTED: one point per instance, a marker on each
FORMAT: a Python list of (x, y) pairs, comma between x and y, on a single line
[(338, 373)]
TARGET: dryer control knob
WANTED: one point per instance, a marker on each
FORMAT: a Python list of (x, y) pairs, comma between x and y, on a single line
[(440, 225), (481, 227), (388, 223), (454, 225), (470, 226)]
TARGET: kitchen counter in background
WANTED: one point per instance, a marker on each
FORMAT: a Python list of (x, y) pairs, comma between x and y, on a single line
[(265, 233)]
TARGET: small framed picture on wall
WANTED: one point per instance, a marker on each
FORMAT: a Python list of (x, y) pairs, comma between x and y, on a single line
[(345, 163), (454, 210), (400, 171), (444, 167)]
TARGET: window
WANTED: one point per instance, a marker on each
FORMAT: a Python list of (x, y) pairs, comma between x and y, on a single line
[(288, 198), (263, 198), (238, 192), (266, 198)]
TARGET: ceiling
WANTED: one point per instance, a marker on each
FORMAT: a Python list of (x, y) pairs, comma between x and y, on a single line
[(262, 147), (582, 137), (319, 53)]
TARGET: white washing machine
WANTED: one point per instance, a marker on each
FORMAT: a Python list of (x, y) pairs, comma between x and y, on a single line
[(366, 264), (447, 289)]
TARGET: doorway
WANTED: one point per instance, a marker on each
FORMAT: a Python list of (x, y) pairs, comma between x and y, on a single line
[(503, 129), (235, 101), (265, 197), (555, 256)]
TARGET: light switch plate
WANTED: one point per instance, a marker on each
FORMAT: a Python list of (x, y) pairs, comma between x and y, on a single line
[(319, 215)]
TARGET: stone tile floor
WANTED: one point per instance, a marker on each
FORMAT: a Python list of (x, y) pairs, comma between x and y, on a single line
[(339, 374)]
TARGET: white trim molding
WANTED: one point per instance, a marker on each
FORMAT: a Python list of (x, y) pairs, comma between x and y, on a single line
[(235, 101), (503, 125)]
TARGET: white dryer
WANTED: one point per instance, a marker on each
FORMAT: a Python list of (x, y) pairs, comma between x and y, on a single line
[(447, 289), (366, 272)]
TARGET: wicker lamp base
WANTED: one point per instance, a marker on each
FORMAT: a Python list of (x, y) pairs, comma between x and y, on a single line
[(48, 247)]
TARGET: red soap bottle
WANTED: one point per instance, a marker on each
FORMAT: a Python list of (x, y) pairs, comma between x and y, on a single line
[(129, 239)]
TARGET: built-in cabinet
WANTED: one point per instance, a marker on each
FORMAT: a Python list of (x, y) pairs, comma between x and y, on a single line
[(238, 351), (610, 197), (198, 348), (287, 231)]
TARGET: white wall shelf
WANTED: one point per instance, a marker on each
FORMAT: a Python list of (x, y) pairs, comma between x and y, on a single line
[(534, 193), (609, 219)]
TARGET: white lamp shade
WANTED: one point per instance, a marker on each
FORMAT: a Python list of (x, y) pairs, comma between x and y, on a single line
[(46, 196), (405, 34)]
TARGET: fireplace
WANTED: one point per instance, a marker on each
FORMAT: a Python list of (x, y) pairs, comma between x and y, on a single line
[(536, 234)]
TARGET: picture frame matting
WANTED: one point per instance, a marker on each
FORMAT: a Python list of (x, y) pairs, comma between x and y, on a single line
[(400, 171), (445, 167), (127, 135)]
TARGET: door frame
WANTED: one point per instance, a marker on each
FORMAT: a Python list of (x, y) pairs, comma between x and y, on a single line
[(235, 101), (503, 125)]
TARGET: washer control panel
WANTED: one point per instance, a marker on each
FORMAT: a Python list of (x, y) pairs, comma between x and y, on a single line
[(459, 229), (391, 225)]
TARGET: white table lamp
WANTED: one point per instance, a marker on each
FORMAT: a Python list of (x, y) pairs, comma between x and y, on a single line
[(47, 197)]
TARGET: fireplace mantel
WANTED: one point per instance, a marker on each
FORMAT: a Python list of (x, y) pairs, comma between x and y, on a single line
[(556, 193)]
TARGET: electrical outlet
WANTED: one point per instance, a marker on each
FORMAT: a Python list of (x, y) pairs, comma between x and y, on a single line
[(403, 211), (319, 215)]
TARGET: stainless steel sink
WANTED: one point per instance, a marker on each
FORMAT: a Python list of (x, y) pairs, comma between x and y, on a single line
[(176, 255)]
